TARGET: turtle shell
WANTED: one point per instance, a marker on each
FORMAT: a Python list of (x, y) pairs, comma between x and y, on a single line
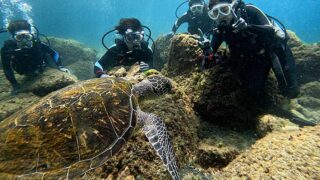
[(69, 132)]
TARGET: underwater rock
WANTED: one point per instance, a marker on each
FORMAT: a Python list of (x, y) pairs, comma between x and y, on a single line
[(217, 93), (31, 88), (161, 54), (280, 155), (184, 55), (269, 123), (75, 56), (307, 106), (218, 146), (307, 58), (294, 41), (51, 80), (10, 104)]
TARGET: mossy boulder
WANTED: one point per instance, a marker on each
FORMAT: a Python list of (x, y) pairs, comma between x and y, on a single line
[(161, 54), (75, 56), (307, 106), (32, 88), (218, 94), (280, 155), (184, 55), (307, 58)]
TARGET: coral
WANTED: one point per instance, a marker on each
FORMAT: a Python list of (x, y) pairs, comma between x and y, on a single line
[(280, 155)]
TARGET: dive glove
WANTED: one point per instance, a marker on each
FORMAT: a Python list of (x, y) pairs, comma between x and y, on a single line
[(105, 76), (63, 69), (169, 35), (240, 25), (144, 66)]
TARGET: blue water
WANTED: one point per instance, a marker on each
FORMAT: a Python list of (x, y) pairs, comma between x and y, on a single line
[(87, 20)]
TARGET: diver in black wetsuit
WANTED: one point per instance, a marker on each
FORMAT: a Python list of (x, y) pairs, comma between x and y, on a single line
[(196, 17), (25, 53), (128, 49), (255, 43)]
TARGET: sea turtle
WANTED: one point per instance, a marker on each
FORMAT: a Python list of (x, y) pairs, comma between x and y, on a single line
[(76, 129)]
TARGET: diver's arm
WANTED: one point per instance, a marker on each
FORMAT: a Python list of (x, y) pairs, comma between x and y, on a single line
[(216, 42), (149, 60), (260, 23), (181, 20), (54, 54), (261, 29), (8, 71), (106, 62)]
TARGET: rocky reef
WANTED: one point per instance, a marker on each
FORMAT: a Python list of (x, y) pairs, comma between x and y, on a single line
[(75, 56), (280, 155), (219, 131)]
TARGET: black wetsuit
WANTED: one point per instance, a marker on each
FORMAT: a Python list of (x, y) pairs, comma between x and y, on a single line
[(202, 22), (120, 55), (253, 50), (26, 61)]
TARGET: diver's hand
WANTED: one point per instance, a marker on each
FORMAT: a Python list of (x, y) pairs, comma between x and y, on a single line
[(169, 35), (144, 66), (64, 69), (105, 76), (240, 25), (204, 44)]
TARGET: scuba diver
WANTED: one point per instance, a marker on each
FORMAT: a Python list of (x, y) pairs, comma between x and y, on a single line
[(129, 48), (196, 17), (25, 53), (256, 45)]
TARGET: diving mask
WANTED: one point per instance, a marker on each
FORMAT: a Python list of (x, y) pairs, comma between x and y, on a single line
[(24, 39), (223, 13), (134, 37), (197, 8), (23, 36)]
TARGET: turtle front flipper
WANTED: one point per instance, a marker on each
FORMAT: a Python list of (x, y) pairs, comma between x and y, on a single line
[(155, 130)]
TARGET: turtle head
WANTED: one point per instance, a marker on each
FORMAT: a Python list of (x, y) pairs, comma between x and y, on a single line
[(155, 85)]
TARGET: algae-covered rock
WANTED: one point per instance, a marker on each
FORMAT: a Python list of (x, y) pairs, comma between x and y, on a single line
[(75, 56), (218, 94), (219, 146), (10, 104), (280, 155), (294, 41), (307, 58), (269, 123), (184, 55), (307, 106), (51, 80), (31, 88), (161, 54)]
